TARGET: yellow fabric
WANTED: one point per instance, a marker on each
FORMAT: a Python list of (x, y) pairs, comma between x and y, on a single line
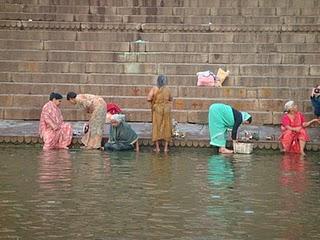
[(222, 75), (161, 115)]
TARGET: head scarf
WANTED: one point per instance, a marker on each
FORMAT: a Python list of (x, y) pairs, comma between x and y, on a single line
[(118, 118), (161, 81), (245, 116), (289, 105), (113, 108)]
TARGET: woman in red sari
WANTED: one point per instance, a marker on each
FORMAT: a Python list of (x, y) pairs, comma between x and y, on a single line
[(54, 132), (293, 129)]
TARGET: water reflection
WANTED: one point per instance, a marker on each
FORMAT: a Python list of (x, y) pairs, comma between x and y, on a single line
[(186, 194), (55, 170), (220, 172), (221, 180), (293, 172)]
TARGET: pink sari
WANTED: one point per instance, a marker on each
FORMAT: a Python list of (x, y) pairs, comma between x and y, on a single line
[(54, 132), (290, 139)]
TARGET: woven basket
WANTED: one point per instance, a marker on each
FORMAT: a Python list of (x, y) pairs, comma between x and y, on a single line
[(243, 147)]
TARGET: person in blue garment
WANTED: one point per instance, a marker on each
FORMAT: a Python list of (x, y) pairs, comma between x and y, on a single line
[(121, 136), (315, 100), (221, 118)]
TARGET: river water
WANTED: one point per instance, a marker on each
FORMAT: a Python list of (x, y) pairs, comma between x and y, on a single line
[(187, 194)]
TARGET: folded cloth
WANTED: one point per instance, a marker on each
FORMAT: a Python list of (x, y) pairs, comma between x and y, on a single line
[(205, 73), (222, 75)]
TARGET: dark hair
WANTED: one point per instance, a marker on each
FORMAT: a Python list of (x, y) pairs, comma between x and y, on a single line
[(71, 95), (249, 120), (161, 81), (54, 95)]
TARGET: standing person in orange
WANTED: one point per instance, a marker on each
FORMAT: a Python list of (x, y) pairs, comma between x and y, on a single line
[(293, 129), (54, 132), (96, 106), (161, 100)]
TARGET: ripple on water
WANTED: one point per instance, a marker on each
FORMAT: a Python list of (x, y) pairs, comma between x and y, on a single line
[(187, 194)]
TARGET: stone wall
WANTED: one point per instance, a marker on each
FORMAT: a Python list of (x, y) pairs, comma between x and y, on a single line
[(116, 48)]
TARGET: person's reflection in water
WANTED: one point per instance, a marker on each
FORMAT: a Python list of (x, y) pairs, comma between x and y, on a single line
[(220, 172), (293, 172), (55, 169), (292, 177), (221, 180)]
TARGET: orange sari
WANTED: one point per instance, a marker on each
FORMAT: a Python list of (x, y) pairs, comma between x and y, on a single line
[(161, 115), (290, 139)]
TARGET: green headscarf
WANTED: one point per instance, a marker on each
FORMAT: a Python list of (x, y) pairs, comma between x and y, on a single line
[(245, 116)]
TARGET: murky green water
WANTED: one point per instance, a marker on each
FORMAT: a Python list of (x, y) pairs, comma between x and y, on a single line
[(188, 194)]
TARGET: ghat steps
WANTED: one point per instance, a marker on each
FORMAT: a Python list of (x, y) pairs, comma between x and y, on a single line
[(116, 48)]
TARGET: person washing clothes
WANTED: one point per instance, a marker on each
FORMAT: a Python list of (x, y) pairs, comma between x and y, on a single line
[(221, 118)]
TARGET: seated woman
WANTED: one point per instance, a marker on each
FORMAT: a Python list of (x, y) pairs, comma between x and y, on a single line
[(293, 129), (121, 137), (221, 118), (54, 132)]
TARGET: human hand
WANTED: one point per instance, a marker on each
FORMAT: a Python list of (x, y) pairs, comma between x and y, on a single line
[(297, 129)]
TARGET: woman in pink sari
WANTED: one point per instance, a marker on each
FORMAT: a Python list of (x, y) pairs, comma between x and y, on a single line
[(293, 129), (54, 132)]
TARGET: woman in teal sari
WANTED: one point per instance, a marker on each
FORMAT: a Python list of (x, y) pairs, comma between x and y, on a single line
[(221, 118), (121, 136)]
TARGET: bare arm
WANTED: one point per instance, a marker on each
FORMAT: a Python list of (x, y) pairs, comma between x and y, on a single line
[(150, 95), (312, 93), (137, 146), (307, 124)]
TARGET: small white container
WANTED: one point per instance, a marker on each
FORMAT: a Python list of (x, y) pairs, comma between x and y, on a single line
[(243, 147)]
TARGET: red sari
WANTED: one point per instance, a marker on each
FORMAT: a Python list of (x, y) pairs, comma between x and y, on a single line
[(290, 139), (54, 132)]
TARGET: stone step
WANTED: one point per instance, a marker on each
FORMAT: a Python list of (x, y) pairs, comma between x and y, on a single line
[(171, 37), (261, 81), (270, 70), (142, 90), (179, 103), (148, 79), (185, 3), (21, 44), (63, 17), (180, 11), (163, 57), (202, 19), (115, 79), (139, 115), (161, 46), (213, 37)]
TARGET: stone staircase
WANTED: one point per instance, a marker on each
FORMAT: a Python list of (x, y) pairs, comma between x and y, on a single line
[(116, 48)]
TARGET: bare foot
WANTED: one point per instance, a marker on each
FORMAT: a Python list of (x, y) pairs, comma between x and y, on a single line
[(156, 150), (166, 150), (303, 153), (225, 151)]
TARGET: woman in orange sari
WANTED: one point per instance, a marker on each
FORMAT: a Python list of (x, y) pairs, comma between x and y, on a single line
[(293, 129), (161, 99), (54, 132), (96, 106)]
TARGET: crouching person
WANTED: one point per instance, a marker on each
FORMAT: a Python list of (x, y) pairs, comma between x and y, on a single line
[(121, 136)]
